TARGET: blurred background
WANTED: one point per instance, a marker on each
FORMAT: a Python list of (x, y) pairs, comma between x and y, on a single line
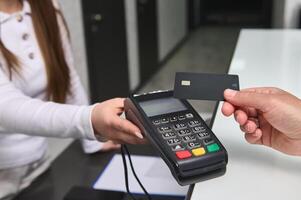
[(125, 46)]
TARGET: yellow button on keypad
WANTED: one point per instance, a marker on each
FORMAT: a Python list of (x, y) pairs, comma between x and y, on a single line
[(198, 151)]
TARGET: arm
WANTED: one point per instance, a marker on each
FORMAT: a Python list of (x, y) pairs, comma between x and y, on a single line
[(22, 114), (79, 97)]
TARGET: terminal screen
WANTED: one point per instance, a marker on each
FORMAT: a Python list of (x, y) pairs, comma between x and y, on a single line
[(162, 106)]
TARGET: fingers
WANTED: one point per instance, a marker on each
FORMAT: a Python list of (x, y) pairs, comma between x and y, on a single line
[(248, 99), (127, 127), (125, 138), (254, 138), (228, 109), (264, 90), (251, 112), (248, 102), (249, 127), (253, 133), (241, 117), (127, 132), (107, 122), (118, 104)]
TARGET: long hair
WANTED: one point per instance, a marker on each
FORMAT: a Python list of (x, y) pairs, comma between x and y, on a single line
[(46, 26)]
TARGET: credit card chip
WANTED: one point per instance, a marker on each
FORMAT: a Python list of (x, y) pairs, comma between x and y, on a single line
[(185, 83)]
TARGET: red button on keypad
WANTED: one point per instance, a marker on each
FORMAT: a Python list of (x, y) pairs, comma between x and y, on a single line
[(183, 154)]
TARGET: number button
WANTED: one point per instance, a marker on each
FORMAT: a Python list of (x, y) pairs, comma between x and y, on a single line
[(168, 135), (203, 135), (164, 129), (184, 132), (173, 119), (193, 145), (189, 116), (156, 122), (189, 138), (198, 129), (179, 126), (181, 117), (193, 123), (173, 141), (208, 141), (164, 120)]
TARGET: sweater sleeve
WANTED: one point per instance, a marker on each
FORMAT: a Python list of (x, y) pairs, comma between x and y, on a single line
[(78, 95), (22, 114)]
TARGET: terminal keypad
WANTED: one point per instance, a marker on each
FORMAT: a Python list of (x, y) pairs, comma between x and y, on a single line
[(186, 135)]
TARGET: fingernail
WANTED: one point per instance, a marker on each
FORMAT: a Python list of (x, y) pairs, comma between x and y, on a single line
[(139, 135), (230, 93)]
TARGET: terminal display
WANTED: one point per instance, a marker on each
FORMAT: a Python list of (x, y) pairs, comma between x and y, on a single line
[(162, 106)]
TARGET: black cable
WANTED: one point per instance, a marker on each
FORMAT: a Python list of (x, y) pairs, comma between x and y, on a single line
[(134, 172), (126, 172)]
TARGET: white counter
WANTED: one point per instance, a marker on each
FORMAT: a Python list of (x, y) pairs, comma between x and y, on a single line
[(262, 58)]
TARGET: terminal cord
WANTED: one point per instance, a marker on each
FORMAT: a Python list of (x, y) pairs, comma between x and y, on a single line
[(125, 150), (125, 168)]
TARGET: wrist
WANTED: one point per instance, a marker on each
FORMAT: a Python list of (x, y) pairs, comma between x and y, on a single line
[(100, 137)]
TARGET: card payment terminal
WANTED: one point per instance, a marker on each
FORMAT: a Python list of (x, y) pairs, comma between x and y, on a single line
[(187, 145)]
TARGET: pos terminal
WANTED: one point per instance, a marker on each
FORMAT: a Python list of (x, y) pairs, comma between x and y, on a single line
[(186, 144)]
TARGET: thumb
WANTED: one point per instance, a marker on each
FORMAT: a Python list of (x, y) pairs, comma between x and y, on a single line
[(247, 99)]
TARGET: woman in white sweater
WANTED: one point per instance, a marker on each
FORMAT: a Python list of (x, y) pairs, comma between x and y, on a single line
[(41, 95)]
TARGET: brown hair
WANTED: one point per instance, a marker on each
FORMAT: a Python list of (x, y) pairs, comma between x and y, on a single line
[(44, 17)]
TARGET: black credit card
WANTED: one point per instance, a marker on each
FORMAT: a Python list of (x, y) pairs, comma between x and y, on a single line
[(203, 86)]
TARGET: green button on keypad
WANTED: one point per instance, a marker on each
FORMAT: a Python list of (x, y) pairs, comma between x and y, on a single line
[(213, 147)]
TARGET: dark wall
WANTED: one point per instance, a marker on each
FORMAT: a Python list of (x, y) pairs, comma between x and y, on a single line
[(105, 34), (147, 38)]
